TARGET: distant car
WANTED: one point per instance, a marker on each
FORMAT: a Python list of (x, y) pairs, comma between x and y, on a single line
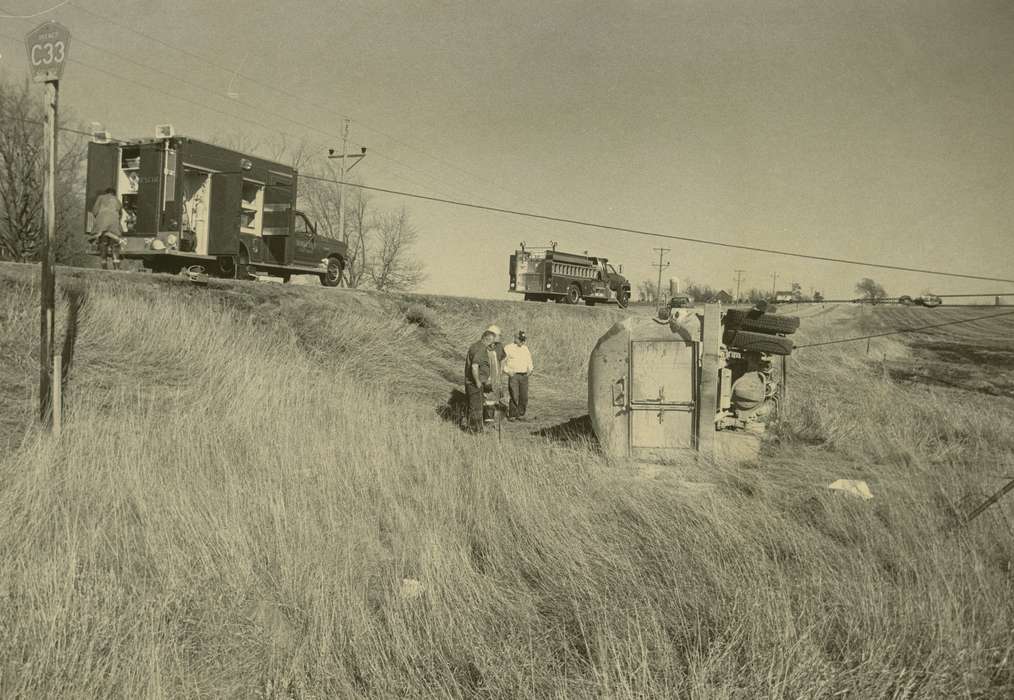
[(928, 300), (905, 300), (681, 301)]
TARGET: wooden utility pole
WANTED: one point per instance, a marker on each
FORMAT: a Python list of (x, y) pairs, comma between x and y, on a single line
[(739, 279), (342, 170), (660, 266), (47, 292), (774, 282), (341, 180)]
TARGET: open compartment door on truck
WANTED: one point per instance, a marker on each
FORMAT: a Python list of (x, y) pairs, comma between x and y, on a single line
[(103, 170), (224, 213), (149, 189)]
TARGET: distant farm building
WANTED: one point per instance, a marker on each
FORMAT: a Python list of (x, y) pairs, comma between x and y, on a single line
[(784, 296), (722, 297)]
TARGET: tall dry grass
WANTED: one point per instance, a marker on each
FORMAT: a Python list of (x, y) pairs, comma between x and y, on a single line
[(232, 509)]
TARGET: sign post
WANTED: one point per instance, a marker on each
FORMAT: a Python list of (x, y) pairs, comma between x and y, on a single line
[(47, 47)]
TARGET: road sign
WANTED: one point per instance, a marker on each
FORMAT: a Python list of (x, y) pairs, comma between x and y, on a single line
[(47, 47)]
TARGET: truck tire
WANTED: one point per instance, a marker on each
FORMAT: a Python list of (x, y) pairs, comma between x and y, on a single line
[(737, 319), (573, 294), (623, 298), (758, 342), (333, 276)]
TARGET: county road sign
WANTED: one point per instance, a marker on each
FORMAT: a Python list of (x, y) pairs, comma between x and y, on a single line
[(47, 47)]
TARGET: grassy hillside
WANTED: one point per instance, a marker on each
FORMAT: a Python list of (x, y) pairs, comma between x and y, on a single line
[(256, 495)]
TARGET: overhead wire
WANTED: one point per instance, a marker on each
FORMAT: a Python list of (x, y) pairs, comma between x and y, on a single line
[(57, 6), (527, 214), (275, 88), (674, 237), (904, 330)]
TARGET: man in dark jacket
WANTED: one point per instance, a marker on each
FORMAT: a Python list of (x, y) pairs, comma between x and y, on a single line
[(482, 370)]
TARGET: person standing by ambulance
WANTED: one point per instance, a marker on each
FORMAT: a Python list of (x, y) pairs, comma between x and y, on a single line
[(106, 228), (518, 366)]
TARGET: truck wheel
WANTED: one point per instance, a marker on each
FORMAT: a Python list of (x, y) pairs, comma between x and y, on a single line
[(623, 298), (333, 276), (573, 294), (758, 342), (737, 319), (286, 279)]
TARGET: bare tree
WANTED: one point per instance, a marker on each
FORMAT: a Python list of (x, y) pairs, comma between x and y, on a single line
[(322, 202), (392, 267), (22, 160), (360, 225)]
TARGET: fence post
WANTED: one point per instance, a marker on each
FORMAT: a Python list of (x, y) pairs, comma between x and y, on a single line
[(57, 402)]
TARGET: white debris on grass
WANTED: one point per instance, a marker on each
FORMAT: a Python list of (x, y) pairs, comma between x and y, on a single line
[(410, 589), (853, 488)]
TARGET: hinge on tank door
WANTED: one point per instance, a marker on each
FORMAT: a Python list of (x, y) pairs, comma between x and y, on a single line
[(619, 397)]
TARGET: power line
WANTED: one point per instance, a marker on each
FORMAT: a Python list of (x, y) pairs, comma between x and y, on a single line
[(688, 239), (904, 330), (532, 214), (57, 6), (282, 91), (274, 88)]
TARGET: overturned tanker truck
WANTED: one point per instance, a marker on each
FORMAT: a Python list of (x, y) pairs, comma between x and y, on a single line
[(685, 383)]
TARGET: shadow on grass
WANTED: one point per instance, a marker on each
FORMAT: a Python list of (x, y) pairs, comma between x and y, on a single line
[(455, 411), (575, 430)]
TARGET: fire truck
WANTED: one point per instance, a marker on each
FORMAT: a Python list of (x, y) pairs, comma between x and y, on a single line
[(190, 203), (544, 274)]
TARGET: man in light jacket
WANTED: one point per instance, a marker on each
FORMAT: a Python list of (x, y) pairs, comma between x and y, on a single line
[(518, 366), (106, 213)]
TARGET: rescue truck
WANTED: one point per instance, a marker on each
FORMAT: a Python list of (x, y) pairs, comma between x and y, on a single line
[(545, 274), (190, 203)]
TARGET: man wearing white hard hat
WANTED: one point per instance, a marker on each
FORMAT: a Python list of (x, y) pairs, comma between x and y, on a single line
[(482, 378)]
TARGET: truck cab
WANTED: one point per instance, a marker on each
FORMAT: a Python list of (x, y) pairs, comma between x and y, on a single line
[(188, 203)]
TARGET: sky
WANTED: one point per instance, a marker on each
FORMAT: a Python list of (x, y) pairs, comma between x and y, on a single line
[(878, 131)]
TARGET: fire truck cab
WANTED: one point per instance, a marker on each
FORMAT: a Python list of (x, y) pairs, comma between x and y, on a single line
[(191, 203)]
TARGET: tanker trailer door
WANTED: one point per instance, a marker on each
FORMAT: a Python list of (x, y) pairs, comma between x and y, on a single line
[(224, 216), (663, 396)]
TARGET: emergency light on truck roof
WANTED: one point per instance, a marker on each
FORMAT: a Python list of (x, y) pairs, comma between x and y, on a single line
[(164, 131)]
